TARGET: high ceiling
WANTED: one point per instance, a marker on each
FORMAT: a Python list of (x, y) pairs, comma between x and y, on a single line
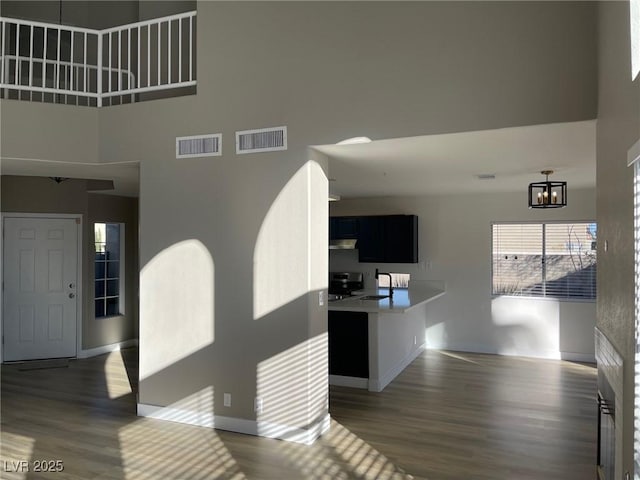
[(451, 163)]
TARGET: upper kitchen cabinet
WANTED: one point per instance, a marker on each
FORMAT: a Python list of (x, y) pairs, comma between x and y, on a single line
[(388, 239), (341, 228), (371, 241)]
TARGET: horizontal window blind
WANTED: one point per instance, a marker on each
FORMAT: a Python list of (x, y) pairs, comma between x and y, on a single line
[(555, 260)]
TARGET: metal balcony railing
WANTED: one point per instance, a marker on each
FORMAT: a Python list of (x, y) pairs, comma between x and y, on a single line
[(72, 65)]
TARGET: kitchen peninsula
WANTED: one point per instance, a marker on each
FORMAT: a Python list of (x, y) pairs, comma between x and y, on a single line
[(372, 341)]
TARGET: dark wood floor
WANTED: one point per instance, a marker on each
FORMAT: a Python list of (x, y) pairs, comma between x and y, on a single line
[(447, 416)]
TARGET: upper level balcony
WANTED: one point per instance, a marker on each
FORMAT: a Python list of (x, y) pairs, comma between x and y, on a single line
[(55, 63)]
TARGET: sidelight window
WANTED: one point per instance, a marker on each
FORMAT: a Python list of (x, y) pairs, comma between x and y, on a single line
[(556, 260), (109, 268)]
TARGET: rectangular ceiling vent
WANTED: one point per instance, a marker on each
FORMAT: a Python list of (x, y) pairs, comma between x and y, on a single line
[(261, 140), (199, 146)]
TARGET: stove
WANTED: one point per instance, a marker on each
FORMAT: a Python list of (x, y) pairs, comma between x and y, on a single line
[(344, 283)]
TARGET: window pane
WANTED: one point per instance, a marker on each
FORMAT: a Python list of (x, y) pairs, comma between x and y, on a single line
[(108, 255), (99, 233), (400, 280), (99, 289), (571, 260), (517, 259), (113, 306), (113, 269), (553, 260), (113, 288), (113, 241), (99, 308), (100, 270)]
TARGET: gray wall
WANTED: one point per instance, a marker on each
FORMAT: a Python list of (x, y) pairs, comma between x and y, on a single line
[(455, 248), (114, 209), (42, 195), (618, 129), (48, 132), (96, 14), (329, 71), (148, 10), (410, 69)]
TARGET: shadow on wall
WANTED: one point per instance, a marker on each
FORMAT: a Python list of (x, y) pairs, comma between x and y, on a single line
[(192, 343)]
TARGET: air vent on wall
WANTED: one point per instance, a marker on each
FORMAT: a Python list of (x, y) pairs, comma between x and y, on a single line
[(199, 146), (261, 140)]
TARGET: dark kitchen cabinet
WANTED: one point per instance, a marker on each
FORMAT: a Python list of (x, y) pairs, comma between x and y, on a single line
[(349, 344), (341, 228), (371, 244), (388, 239)]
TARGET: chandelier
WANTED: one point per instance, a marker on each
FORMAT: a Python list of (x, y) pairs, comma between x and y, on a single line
[(547, 194)]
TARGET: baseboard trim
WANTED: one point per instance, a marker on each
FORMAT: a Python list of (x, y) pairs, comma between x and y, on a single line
[(239, 425), (114, 347), (378, 384), (344, 381), (578, 357), (569, 356)]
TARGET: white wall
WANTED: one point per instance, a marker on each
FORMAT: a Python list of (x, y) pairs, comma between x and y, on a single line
[(395, 340), (455, 247)]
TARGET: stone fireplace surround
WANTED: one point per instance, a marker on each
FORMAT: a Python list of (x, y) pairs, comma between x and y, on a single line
[(610, 381)]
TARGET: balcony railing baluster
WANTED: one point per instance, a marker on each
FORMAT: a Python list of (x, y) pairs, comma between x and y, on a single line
[(81, 69)]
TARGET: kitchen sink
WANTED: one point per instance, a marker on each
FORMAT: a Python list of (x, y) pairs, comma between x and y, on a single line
[(374, 297)]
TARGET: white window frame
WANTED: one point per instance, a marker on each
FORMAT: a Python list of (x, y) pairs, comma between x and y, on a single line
[(544, 296), (121, 273)]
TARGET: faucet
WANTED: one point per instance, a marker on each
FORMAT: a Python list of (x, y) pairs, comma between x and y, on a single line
[(390, 281)]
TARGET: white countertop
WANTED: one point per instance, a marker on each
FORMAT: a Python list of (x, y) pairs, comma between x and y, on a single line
[(403, 300)]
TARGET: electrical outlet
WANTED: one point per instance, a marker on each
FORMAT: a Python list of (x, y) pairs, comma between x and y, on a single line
[(321, 298), (227, 399), (258, 405), (415, 339)]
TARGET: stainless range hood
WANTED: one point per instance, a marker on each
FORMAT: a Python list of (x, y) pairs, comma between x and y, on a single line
[(343, 244)]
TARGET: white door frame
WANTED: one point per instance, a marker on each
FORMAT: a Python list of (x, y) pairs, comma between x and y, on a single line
[(80, 279)]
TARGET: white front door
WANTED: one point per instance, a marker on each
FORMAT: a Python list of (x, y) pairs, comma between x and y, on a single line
[(40, 277)]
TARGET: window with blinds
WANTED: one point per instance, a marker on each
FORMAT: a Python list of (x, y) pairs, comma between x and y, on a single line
[(556, 260)]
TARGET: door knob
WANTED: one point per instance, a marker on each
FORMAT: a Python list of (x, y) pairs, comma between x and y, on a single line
[(72, 285), (72, 295)]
